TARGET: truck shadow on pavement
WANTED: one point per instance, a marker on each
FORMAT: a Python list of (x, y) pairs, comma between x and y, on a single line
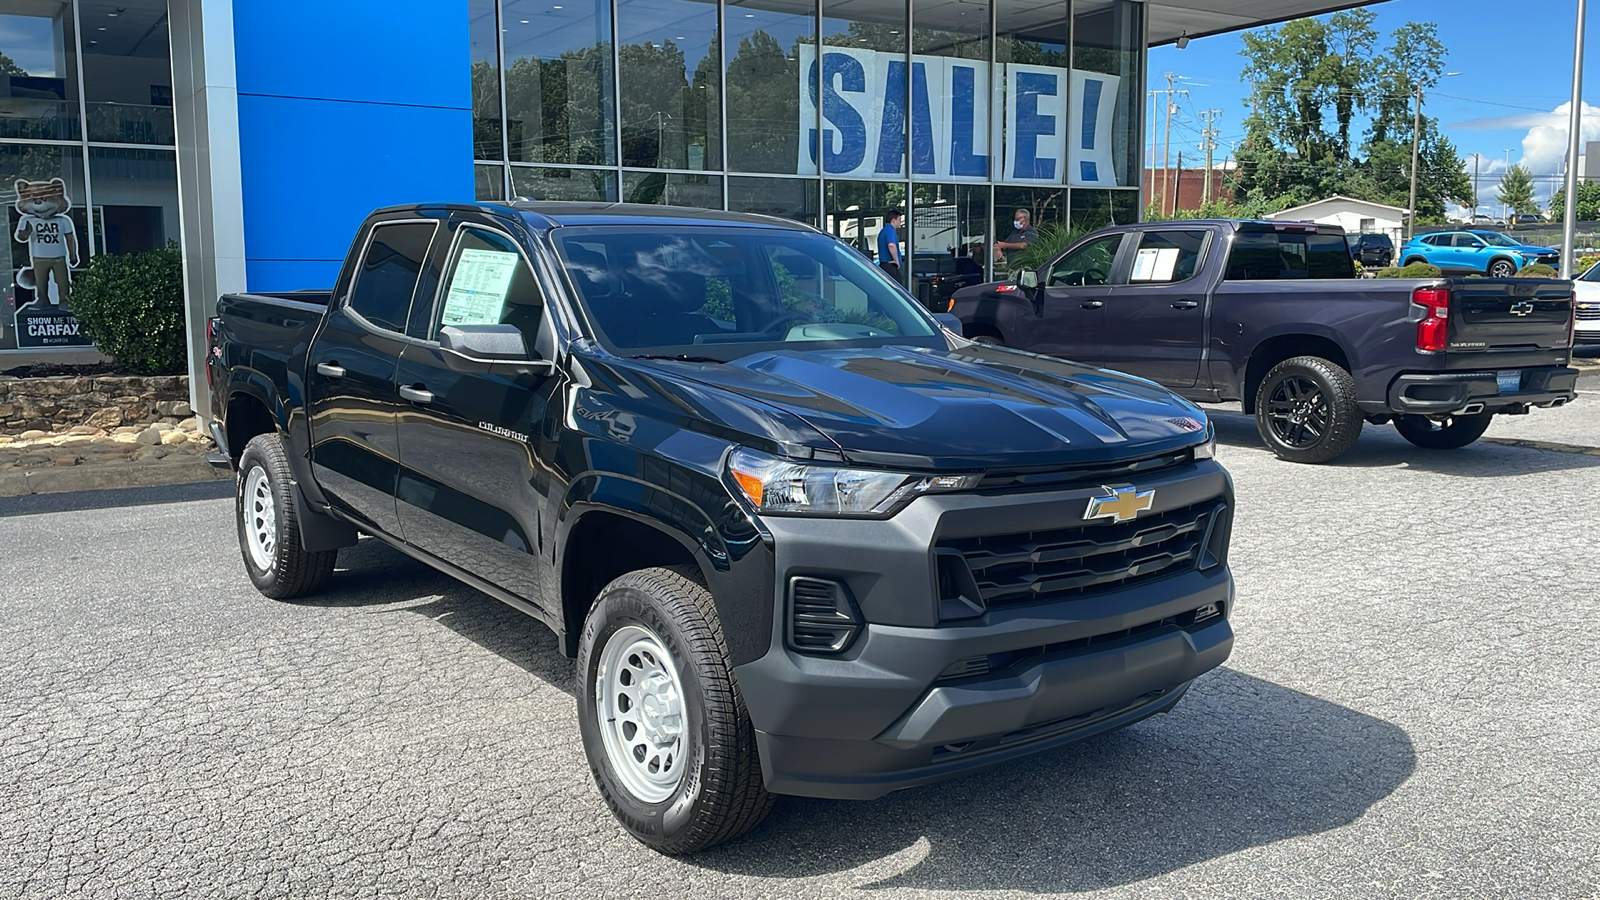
[(1240, 763), (1380, 446)]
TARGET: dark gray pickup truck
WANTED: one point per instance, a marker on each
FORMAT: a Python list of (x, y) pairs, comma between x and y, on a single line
[(1272, 314)]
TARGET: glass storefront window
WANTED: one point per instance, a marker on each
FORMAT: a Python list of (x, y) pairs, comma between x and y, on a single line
[(1032, 80), (670, 59), (1095, 208), (1045, 206), (39, 63), (531, 183), (864, 79), (485, 38), (135, 199), (764, 44), (490, 184), (1108, 93), (559, 82), (949, 86), (127, 72), (948, 226), (672, 189), (786, 198), (853, 213)]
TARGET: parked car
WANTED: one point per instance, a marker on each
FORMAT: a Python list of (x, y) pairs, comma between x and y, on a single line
[(940, 275), (1483, 252), (1372, 249), (1528, 219), (1481, 219), (1586, 315), (800, 538), (1273, 315)]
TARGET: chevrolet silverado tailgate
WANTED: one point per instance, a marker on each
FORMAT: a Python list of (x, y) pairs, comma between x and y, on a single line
[(1510, 315)]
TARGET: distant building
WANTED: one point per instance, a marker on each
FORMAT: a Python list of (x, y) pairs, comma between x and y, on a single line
[(1187, 186), (1354, 216)]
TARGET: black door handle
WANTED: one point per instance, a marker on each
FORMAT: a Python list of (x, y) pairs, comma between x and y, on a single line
[(1091, 304), (1184, 304)]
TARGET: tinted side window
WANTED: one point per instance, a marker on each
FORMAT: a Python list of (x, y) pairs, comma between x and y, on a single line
[(1167, 256), (389, 272), (1088, 264), (489, 283), (1268, 256)]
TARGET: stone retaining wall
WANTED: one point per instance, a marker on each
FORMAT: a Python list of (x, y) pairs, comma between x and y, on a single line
[(91, 404)]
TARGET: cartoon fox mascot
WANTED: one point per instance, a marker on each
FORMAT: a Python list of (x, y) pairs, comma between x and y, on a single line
[(52, 241)]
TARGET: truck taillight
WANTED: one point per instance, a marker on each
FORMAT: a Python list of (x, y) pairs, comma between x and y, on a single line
[(1434, 326)]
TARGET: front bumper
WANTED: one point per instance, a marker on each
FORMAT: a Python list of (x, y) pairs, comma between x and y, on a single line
[(1433, 394), (888, 713), (1582, 338)]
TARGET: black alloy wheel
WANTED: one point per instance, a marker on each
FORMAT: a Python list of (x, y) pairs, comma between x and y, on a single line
[(1306, 410)]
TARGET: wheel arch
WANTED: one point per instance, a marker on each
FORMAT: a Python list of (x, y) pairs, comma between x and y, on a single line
[(1276, 349)]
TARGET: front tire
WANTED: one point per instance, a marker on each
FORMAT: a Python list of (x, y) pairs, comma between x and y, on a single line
[(269, 528), (1452, 433), (1306, 410), (663, 723), (1502, 268)]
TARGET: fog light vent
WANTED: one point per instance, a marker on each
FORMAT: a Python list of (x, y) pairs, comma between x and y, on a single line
[(822, 616)]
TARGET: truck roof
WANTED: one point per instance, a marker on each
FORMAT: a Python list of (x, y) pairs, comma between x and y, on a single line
[(548, 214)]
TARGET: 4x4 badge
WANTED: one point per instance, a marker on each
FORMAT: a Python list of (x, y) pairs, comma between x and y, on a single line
[(1124, 503)]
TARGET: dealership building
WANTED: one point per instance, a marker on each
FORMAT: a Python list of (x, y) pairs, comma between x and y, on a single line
[(258, 133)]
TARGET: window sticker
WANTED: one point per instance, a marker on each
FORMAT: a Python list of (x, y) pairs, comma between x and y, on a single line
[(1154, 264), (478, 287)]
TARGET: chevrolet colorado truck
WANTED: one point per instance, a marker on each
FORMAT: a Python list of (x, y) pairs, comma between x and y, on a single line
[(800, 538), (1272, 314)]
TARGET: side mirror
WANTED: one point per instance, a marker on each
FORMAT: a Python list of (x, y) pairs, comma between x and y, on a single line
[(1028, 279), (478, 348)]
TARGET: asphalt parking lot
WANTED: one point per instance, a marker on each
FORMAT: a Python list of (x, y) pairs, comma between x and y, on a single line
[(1410, 711)]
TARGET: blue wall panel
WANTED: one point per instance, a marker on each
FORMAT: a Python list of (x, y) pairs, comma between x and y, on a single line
[(412, 52), (345, 106), (304, 197)]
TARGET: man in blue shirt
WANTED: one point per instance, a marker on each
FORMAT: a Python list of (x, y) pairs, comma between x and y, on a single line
[(889, 243)]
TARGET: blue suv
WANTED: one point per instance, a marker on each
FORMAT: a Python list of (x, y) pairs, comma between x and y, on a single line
[(1487, 252)]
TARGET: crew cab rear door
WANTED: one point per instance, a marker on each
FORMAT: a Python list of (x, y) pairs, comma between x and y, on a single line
[(1155, 325), (1504, 317), (350, 388)]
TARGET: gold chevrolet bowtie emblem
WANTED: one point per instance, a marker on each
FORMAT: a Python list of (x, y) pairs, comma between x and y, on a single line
[(1123, 504)]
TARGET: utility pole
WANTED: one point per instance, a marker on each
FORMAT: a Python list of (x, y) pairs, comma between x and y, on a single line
[(1209, 135), (1503, 215), (1416, 133), (1177, 184), (1475, 198), (1166, 140), (1569, 218)]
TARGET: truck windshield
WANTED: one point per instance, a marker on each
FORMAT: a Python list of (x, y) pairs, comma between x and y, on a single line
[(711, 292), (1271, 255)]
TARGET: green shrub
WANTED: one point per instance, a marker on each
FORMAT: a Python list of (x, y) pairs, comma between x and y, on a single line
[(1053, 238), (131, 306), (1537, 270), (1414, 270), (1584, 262)]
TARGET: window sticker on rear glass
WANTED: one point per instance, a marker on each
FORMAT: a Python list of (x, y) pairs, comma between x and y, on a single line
[(478, 287), (1154, 264)]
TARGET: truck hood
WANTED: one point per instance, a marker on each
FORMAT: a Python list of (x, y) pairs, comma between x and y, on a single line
[(978, 407)]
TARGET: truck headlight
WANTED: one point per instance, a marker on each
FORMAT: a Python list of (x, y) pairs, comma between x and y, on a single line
[(787, 487)]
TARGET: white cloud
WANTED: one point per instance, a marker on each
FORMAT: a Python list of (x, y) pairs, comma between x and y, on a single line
[(1545, 145)]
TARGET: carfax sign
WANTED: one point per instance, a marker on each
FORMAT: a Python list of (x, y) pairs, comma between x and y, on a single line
[(1058, 122)]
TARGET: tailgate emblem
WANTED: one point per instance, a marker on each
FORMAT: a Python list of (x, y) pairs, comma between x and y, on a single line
[(1124, 503), (1521, 308)]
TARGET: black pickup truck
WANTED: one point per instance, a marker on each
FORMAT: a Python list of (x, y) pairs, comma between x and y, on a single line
[(801, 538), (1272, 314)]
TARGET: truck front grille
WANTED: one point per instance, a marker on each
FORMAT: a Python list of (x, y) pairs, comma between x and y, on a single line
[(1588, 315), (1094, 558)]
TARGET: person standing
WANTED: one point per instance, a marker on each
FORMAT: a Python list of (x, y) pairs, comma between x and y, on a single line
[(1022, 234), (889, 243)]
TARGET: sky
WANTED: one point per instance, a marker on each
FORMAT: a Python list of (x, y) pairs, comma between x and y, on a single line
[(1509, 100)]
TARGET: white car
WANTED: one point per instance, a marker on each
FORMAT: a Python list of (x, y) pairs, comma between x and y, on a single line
[(1586, 291)]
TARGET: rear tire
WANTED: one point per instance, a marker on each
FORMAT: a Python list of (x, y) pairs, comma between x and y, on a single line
[(269, 527), (1306, 410), (1414, 259), (664, 726), (1452, 433), (992, 339)]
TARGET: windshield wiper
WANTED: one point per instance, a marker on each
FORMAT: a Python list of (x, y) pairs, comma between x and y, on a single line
[(678, 357)]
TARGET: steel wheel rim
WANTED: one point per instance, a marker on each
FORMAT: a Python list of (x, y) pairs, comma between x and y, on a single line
[(1298, 412), (260, 519), (640, 708)]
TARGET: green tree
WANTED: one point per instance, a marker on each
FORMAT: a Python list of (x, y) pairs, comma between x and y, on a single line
[(1588, 202), (1516, 190)]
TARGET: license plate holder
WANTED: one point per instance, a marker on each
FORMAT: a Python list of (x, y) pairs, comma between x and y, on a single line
[(1509, 382)]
